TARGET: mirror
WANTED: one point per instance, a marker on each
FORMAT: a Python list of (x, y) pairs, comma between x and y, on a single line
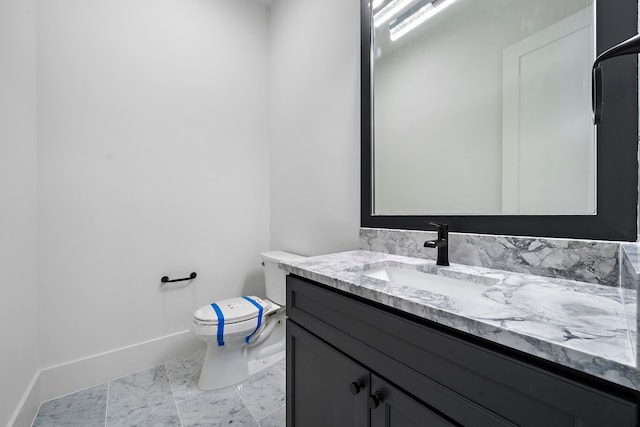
[(482, 117), (511, 81)]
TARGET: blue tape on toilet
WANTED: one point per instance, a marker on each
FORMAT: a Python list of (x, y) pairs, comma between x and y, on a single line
[(260, 309), (220, 324)]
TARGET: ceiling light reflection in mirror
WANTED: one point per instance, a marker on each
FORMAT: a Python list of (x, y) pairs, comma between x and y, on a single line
[(417, 16), (390, 11)]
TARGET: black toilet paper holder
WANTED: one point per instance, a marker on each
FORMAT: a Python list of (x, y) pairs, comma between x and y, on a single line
[(165, 279)]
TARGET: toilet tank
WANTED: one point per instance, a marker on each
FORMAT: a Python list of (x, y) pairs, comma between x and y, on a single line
[(274, 278)]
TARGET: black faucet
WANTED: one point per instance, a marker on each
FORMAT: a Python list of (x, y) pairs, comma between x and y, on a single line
[(442, 243)]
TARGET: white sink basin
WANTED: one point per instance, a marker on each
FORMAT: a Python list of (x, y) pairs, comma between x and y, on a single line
[(458, 288)]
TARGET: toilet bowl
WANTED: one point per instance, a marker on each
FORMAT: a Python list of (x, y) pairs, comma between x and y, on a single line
[(244, 335)]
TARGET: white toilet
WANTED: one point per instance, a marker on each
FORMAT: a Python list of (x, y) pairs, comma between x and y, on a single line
[(244, 335)]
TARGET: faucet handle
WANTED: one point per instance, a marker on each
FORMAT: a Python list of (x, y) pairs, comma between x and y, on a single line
[(439, 226)]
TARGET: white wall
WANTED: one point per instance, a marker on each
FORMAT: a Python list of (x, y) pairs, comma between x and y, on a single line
[(315, 125), (18, 159), (153, 160)]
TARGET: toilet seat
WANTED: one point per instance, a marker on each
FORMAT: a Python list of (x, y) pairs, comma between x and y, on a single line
[(233, 310), (240, 319)]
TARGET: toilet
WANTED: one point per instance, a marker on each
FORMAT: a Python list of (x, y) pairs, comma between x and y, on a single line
[(244, 335)]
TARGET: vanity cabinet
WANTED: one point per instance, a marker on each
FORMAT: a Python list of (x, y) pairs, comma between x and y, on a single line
[(352, 362)]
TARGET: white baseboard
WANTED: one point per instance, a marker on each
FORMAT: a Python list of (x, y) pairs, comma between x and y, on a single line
[(66, 378)]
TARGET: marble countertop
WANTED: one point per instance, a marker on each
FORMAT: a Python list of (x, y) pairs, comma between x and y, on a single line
[(580, 325)]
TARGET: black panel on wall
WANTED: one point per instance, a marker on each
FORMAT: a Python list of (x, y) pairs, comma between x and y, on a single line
[(617, 151)]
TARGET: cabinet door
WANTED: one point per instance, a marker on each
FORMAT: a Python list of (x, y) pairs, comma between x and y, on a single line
[(391, 407), (325, 388)]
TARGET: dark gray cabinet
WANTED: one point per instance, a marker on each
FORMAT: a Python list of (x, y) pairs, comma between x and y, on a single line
[(392, 407), (411, 372), (322, 377)]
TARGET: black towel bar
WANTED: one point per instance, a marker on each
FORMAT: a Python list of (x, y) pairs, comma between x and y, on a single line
[(165, 279), (629, 46)]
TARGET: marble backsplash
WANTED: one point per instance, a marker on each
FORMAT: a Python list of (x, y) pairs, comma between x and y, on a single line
[(630, 265), (629, 276), (582, 260)]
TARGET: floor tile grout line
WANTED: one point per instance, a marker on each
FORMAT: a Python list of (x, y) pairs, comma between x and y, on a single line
[(274, 411), (72, 392), (139, 371), (246, 406), (173, 396), (198, 391), (239, 386), (66, 395)]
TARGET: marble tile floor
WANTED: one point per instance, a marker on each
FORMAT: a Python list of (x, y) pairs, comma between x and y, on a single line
[(167, 395)]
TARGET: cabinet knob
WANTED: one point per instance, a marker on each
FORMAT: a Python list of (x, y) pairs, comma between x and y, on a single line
[(356, 387), (374, 400)]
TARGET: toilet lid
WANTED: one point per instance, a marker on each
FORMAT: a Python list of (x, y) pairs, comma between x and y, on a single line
[(233, 310)]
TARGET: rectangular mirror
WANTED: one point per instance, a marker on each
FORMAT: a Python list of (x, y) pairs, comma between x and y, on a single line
[(512, 82), (478, 114)]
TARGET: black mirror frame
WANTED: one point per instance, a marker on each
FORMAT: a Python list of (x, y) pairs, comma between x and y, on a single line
[(617, 149)]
